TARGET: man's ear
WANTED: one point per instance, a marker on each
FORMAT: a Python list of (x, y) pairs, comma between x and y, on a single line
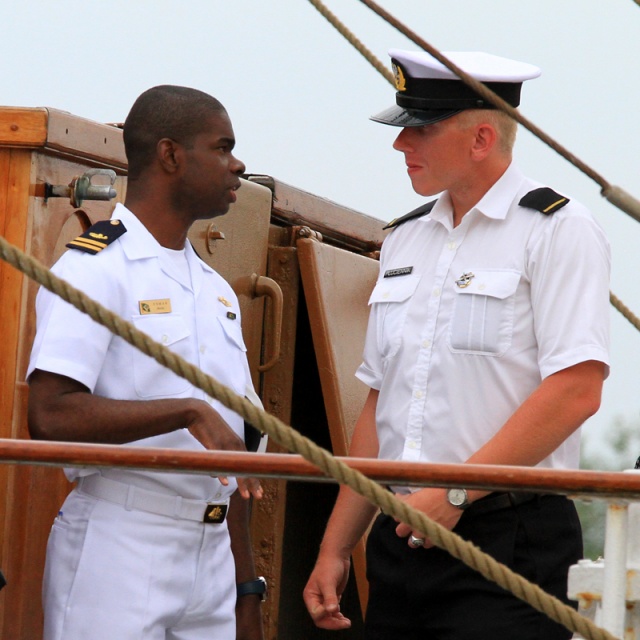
[(168, 154), (485, 140)]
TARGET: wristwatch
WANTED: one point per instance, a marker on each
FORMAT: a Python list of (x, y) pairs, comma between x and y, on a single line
[(257, 586), (458, 498)]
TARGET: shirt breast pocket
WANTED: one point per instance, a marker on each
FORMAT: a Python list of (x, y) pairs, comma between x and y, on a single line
[(152, 380), (390, 302), (482, 320)]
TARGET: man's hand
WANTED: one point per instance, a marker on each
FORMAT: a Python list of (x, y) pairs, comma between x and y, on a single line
[(433, 502), (324, 590), (208, 427)]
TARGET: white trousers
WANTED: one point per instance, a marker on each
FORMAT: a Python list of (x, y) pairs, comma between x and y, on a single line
[(114, 574)]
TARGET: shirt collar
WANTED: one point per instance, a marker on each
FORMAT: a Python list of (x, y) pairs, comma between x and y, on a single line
[(494, 204), (141, 244), (497, 201)]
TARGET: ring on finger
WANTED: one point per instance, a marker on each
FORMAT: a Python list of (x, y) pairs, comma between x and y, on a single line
[(415, 542)]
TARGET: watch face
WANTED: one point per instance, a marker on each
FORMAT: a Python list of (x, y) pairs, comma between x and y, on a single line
[(457, 497)]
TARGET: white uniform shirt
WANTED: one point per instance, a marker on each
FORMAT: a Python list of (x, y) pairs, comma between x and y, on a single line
[(203, 326), (453, 361)]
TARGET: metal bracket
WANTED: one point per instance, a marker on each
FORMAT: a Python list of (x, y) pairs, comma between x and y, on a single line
[(80, 188)]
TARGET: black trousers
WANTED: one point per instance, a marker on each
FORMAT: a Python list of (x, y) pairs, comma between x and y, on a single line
[(426, 594)]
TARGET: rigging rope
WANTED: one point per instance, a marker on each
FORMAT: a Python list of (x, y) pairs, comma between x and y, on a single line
[(615, 195), (288, 437)]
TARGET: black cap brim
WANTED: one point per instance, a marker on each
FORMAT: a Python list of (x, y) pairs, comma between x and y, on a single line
[(399, 117)]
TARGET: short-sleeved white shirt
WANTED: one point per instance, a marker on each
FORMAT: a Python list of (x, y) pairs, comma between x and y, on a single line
[(203, 326), (478, 316)]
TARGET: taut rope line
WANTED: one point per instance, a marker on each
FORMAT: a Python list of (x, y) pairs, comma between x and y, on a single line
[(614, 194), (294, 441)]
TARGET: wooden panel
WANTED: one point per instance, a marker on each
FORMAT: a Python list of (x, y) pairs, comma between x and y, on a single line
[(15, 177), (62, 133), (23, 127), (85, 139), (337, 285), (33, 493)]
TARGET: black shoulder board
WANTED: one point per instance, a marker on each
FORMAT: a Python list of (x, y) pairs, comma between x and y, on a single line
[(545, 200), (98, 237), (422, 210)]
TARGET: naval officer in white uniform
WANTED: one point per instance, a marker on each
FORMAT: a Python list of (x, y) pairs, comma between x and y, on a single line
[(137, 554)]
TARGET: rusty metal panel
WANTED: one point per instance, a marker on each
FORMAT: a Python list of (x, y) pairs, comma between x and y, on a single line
[(339, 225), (268, 515), (337, 285), (236, 246)]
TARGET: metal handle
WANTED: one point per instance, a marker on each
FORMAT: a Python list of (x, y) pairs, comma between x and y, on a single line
[(263, 286), (81, 188)]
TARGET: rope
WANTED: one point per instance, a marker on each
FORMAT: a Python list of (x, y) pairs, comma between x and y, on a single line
[(351, 38), (294, 441), (623, 309), (616, 195)]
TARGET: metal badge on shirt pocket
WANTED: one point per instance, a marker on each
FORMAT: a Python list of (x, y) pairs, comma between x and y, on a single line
[(482, 318), (232, 330)]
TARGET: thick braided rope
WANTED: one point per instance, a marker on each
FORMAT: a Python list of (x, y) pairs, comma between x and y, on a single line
[(355, 42), (623, 309), (294, 441), (614, 194)]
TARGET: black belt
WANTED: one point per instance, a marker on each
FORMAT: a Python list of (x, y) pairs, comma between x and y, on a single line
[(498, 501)]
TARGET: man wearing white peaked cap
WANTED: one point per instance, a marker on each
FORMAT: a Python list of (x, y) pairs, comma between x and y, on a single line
[(487, 344)]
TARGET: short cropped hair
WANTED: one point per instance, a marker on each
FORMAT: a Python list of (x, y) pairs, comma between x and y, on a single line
[(503, 123), (165, 111)]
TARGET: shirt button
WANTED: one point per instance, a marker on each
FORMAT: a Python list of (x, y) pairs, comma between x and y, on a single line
[(412, 444), (426, 344), (418, 394), (217, 495), (451, 245), (202, 349), (165, 339), (436, 292), (386, 294)]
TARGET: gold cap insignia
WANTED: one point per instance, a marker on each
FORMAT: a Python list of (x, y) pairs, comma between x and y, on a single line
[(401, 82)]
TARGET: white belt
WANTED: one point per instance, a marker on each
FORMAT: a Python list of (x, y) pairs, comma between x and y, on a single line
[(135, 498)]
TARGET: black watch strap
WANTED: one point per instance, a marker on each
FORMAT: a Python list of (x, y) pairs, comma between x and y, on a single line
[(257, 587)]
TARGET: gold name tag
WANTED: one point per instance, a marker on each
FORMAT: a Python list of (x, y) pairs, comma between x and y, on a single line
[(154, 306)]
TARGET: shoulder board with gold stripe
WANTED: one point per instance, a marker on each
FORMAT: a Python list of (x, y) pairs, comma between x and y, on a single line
[(422, 210), (545, 200), (98, 236)]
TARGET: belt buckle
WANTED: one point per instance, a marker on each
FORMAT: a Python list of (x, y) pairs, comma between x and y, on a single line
[(215, 513)]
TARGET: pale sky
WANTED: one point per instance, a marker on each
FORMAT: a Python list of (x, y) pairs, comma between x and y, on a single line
[(300, 97)]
